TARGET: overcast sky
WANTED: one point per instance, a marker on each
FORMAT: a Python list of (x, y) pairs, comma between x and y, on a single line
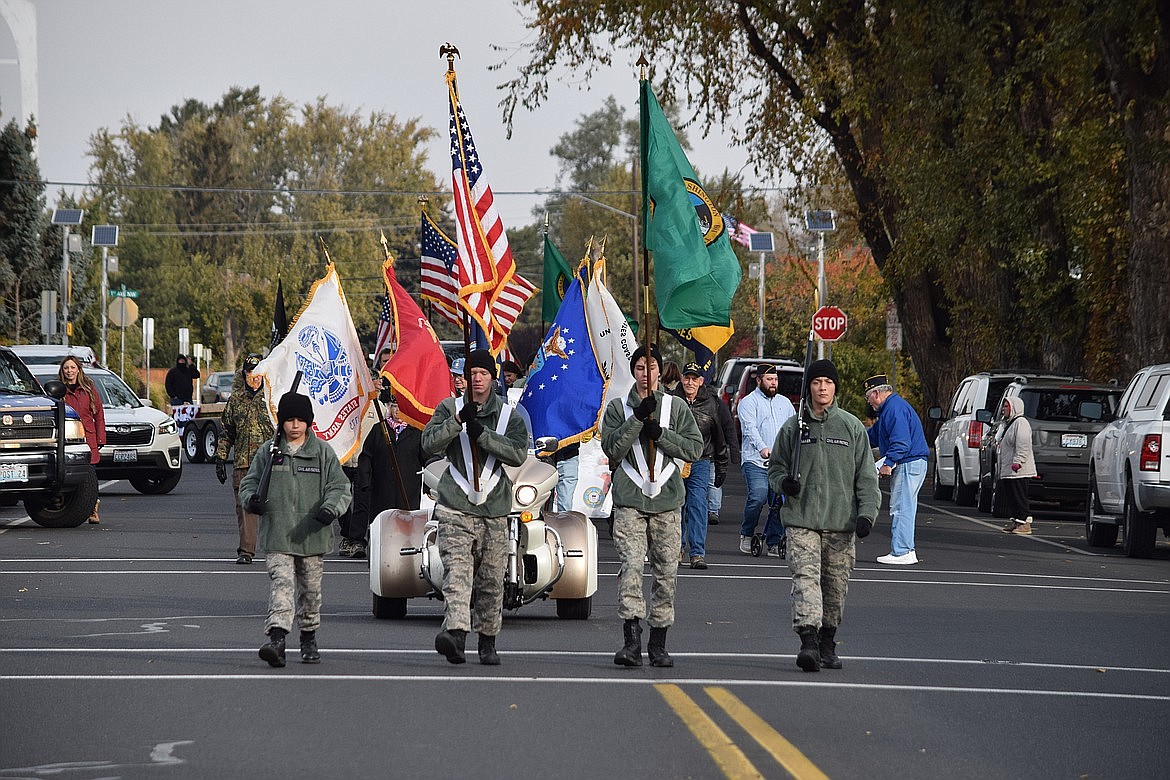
[(101, 61)]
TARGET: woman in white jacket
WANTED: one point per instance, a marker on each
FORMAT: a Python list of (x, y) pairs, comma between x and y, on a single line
[(1016, 464)]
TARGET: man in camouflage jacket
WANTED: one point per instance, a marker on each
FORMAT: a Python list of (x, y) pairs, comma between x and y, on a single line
[(246, 425)]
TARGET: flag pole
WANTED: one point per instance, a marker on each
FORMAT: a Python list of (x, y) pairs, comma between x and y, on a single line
[(449, 51), (650, 335), (377, 406), (543, 293)]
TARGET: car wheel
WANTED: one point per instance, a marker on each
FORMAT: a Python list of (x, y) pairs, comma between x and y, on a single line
[(157, 484), (941, 492), (964, 493), (210, 439), (1140, 533), (1097, 534), (191, 444), (65, 510), (389, 609), (575, 609)]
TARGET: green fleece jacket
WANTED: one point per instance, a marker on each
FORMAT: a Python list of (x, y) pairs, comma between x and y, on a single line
[(301, 484), (441, 437), (838, 482), (619, 436)]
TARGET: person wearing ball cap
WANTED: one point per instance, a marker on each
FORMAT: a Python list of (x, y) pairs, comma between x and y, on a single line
[(472, 508), (457, 376), (647, 437), (831, 501), (901, 443), (307, 492)]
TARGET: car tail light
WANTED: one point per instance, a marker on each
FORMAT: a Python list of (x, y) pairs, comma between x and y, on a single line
[(974, 434), (1151, 449)]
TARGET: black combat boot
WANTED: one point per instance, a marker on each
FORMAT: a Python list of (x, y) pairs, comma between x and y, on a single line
[(309, 653), (656, 648), (451, 643), (487, 651), (809, 657), (273, 652), (829, 659), (631, 652)]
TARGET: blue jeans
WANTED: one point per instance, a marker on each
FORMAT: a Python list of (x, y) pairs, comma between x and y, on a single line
[(905, 483), (566, 483), (714, 496), (698, 483), (759, 495)]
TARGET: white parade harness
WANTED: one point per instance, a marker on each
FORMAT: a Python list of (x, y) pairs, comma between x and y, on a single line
[(664, 467), (490, 472)]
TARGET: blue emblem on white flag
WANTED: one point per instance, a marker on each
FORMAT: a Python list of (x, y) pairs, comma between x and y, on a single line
[(564, 390)]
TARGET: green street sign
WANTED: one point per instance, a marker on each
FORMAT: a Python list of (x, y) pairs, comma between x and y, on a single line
[(123, 293)]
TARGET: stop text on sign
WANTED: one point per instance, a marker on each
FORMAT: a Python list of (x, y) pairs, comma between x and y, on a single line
[(830, 323)]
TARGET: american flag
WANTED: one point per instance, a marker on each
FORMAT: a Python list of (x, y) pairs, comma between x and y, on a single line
[(740, 232), (385, 328), (440, 283), (485, 266)]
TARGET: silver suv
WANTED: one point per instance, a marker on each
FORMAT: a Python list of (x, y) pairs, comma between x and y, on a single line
[(956, 447)]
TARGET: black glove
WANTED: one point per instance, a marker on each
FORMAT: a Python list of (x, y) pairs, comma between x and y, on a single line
[(646, 408), (653, 429), (864, 526), (790, 486), (221, 470), (386, 394), (468, 412), (326, 516), (719, 477), (256, 506), (474, 429)]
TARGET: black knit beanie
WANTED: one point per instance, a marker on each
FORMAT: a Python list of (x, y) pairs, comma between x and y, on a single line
[(819, 368), (294, 405), (480, 358), (640, 353)]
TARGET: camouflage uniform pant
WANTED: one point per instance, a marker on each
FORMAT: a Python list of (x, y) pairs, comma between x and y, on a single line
[(248, 523), (296, 576), (638, 535), (820, 562), (474, 551)]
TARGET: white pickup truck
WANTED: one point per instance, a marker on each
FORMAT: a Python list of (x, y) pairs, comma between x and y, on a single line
[(1129, 468)]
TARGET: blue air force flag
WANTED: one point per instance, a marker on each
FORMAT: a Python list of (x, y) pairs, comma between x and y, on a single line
[(564, 389)]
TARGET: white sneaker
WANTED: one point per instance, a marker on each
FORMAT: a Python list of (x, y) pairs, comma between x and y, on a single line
[(745, 545), (899, 560), (773, 551)]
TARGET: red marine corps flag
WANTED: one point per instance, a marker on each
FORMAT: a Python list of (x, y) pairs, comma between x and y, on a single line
[(418, 369), (486, 272)]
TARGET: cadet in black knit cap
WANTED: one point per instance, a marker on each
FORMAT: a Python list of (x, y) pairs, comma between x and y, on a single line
[(480, 358), (640, 353), (819, 368)]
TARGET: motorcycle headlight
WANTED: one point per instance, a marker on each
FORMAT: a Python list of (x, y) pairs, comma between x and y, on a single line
[(74, 432), (525, 494), (167, 426)]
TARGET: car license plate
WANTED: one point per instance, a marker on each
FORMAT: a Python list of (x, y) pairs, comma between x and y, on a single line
[(1080, 440), (14, 472), (125, 456)]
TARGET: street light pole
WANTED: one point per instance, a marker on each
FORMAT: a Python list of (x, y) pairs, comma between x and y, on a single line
[(760, 336), (820, 222)]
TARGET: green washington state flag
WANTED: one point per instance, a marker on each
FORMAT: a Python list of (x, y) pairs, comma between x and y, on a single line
[(557, 278), (695, 270)]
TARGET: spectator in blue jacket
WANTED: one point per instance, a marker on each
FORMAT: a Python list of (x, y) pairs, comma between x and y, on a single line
[(902, 446)]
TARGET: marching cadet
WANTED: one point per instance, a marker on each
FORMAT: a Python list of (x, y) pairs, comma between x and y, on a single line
[(647, 502), (834, 494), (473, 515), (307, 492)]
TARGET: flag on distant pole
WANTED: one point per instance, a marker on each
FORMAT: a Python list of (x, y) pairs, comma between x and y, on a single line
[(739, 232), (323, 345), (418, 368), (696, 272), (557, 278), (485, 268), (385, 335), (279, 318)]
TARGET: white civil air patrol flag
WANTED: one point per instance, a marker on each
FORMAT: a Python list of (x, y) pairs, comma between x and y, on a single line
[(323, 345), (565, 387), (613, 339)]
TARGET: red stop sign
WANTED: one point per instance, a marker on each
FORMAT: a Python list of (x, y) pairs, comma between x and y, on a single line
[(829, 323)]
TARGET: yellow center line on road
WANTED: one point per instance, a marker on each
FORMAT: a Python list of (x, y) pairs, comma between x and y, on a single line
[(785, 753), (729, 758)]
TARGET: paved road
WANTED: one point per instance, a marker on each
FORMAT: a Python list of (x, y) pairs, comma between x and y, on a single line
[(129, 650)]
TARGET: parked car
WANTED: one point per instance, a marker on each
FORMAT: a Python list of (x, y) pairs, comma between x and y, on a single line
[(217, 388), (1129, 468), (45, 354), (142, 443), (1065, 418), (790, 376), (729, 379), (956, 447)]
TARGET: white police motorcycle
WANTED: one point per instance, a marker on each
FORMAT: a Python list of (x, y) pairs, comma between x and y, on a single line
[(551, 555)]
